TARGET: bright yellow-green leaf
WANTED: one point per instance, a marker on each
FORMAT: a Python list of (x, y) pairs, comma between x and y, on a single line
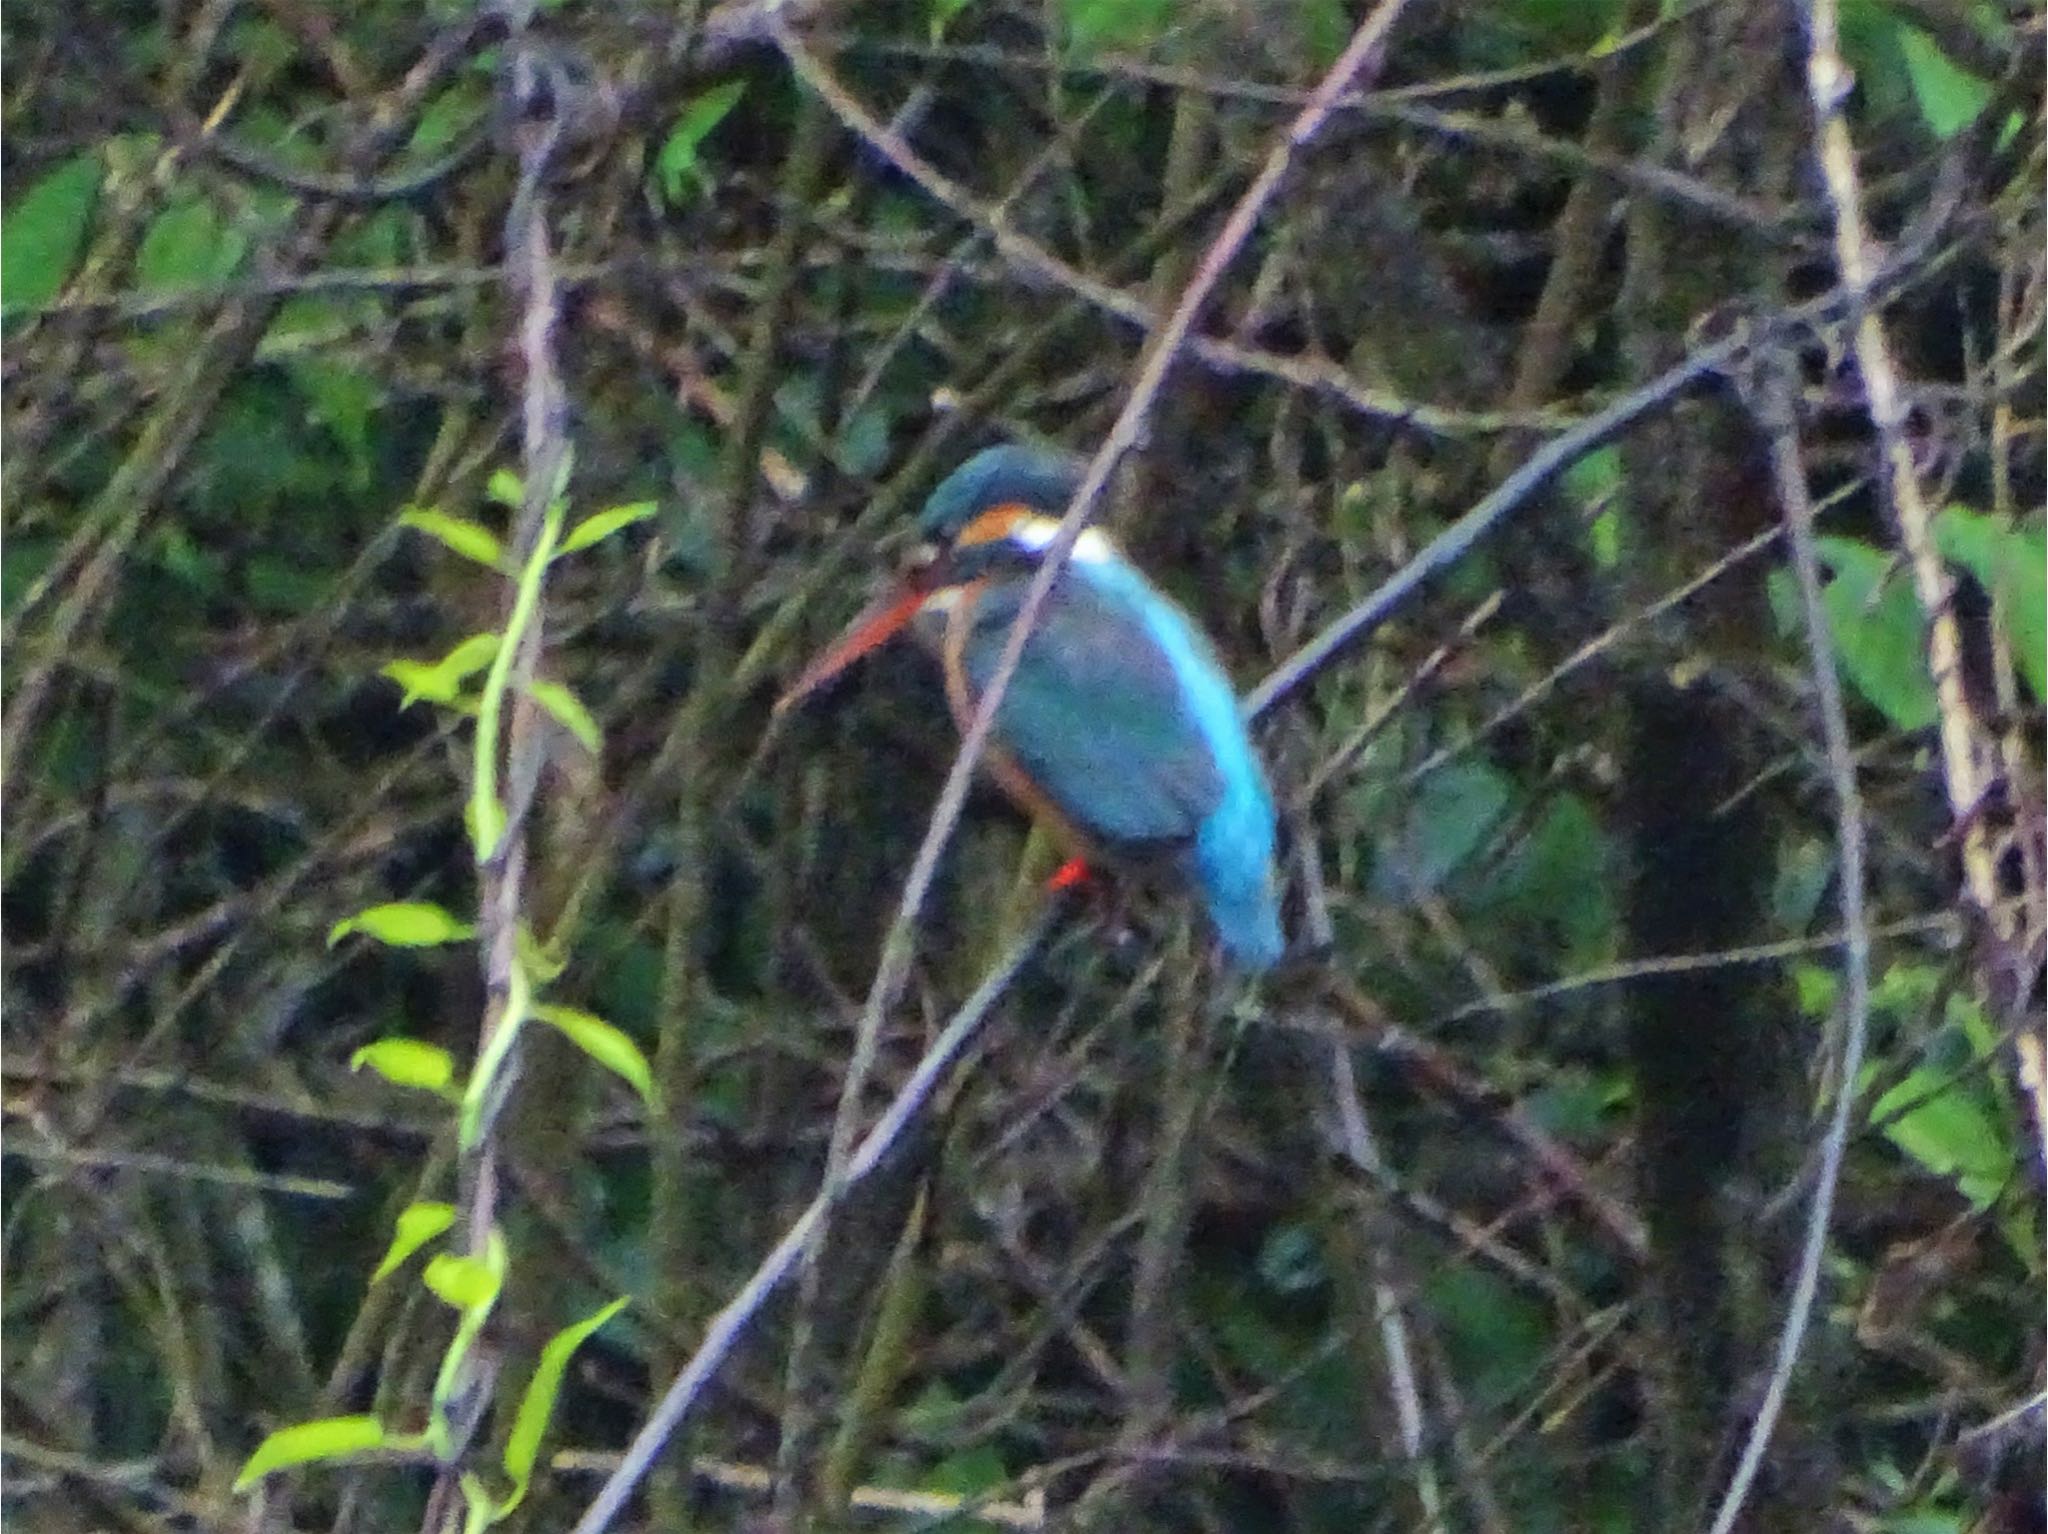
[(505, 487), (676, 163), (606, 1045), (537, 1404), (569, 712), (1951, 1130), (418, 1223), (44, 231), (463, 1283), (404, 924), (440, 681), (599, 526), (466, 538), (309, 1442), (408, 1063), (1950, 97)]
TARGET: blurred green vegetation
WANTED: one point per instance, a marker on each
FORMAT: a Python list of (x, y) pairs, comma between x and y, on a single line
[(260, 334)]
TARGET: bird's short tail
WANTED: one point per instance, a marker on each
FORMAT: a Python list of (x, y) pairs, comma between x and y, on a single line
[(1234, 868)]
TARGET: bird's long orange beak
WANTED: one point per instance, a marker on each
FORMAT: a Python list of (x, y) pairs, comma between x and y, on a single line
[(882, 619)]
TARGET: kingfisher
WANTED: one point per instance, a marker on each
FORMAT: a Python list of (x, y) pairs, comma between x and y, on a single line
[(1119, 728)]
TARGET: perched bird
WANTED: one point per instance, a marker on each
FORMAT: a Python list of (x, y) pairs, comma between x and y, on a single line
[(1119, 727)]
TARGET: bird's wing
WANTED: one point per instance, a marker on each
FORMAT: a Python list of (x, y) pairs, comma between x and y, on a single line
[(1095, 715)]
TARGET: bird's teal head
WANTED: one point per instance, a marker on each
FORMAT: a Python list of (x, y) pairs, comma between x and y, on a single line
[(999, 510), (1033, 480)]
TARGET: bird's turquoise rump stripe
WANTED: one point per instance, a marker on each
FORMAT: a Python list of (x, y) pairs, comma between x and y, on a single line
[(1233, 852)]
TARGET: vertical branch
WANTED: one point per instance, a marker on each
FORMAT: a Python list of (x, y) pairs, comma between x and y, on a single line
[(1362, 1150), (1965, 756), (1774, 404), (499, 814)]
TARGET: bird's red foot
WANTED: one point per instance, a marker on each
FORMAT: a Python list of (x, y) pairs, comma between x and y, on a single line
[(1072, 874)]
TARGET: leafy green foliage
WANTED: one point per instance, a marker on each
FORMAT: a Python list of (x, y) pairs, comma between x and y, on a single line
[(212, 615), (44, 232), (407, 1063), (466, 538), (1450, 819), (418, 1223), (598, 526), (537, 1402), (404, 924), (307, 1443), (2011, 564), (441, 681), (676, 167), (187, 245), (606, 1045), (569, 712), (1879, 631), (1095, 26), (1950, 97)]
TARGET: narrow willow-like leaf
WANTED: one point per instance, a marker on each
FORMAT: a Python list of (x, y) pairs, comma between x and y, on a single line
[(417, 1224), (607, 1045), (307, 1443), (601, 525), (404, 924), (469, 539), (537, 1405), (569, 713), (408, 1063)]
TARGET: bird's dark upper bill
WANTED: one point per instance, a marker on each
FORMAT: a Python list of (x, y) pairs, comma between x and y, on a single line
[(882, 619)]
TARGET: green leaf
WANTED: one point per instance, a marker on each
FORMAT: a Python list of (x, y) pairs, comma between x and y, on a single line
[(43, 233), (1879, 631), (599, 526), (2011, 564), (1953, 1133), (537, 1404), (606, 1045), (1452, 817), (1094, 26), (404, 924), (418, 1223), (677, 161), (187, 246), (1949, 96), (343, 400), (441, 681), (408, 1063), (569, 712), (464, 537), (506, 488), (467, 1284), (309, 1442), (941, 16)]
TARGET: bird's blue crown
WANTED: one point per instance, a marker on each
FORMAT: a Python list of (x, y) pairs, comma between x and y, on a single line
[(1044, 481)]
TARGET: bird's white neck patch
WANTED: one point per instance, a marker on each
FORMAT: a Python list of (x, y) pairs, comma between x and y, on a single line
[(1036, 533)]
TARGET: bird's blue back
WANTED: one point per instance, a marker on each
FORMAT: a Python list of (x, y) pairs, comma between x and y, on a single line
[(1122, 715)]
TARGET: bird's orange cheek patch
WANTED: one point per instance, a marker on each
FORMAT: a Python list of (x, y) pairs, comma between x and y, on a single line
[(993, 525)]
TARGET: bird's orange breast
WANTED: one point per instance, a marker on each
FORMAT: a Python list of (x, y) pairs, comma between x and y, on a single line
[(961, 699)]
